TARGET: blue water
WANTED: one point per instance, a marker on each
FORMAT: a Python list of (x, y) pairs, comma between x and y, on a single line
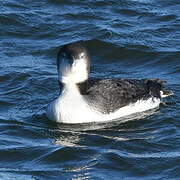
[(126, 38)]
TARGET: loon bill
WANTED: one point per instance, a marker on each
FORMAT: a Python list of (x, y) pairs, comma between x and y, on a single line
[(84, 100)]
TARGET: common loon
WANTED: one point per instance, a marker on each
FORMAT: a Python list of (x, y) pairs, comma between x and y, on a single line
[(84, 100)]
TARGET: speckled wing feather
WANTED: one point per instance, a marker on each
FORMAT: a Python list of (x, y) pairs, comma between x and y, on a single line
[(109, 95)]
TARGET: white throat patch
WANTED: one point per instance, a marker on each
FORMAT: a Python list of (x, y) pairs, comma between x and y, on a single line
[(76, 73)]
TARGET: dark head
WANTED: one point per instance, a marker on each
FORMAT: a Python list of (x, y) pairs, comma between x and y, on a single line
[(73, 63)]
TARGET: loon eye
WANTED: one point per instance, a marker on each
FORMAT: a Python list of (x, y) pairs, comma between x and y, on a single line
[(66, 56), (63, 55)]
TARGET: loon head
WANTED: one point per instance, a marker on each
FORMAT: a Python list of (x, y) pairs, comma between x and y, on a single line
[(73, 63)]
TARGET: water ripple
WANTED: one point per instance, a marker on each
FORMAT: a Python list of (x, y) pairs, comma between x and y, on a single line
[(126, 39)]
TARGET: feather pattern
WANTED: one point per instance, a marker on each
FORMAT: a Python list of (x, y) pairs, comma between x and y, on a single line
[(108, 95)]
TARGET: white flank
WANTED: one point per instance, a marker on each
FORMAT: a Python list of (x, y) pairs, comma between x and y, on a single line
[(71, 107)]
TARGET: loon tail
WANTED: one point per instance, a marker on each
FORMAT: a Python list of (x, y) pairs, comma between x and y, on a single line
[(166, 93), (156, 87)]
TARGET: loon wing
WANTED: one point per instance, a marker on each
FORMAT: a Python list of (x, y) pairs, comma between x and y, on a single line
[(108, 95)]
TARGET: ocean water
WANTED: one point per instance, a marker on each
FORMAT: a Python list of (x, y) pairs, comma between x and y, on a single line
[(126, 38)]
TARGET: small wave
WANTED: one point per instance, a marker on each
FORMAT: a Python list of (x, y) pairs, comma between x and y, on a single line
[(12, 19)]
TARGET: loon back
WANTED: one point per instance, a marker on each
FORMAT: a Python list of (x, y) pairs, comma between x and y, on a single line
[(108, 95)]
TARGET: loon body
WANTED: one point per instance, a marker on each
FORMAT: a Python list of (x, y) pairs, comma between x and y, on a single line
[(84, 100)]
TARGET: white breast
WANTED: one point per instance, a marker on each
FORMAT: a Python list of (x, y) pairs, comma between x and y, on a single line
[(71, 107)]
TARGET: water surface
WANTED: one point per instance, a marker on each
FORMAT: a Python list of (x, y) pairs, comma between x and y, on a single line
[(126, 38)]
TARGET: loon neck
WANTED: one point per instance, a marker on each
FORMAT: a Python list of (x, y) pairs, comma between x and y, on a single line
[(81, 87)]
